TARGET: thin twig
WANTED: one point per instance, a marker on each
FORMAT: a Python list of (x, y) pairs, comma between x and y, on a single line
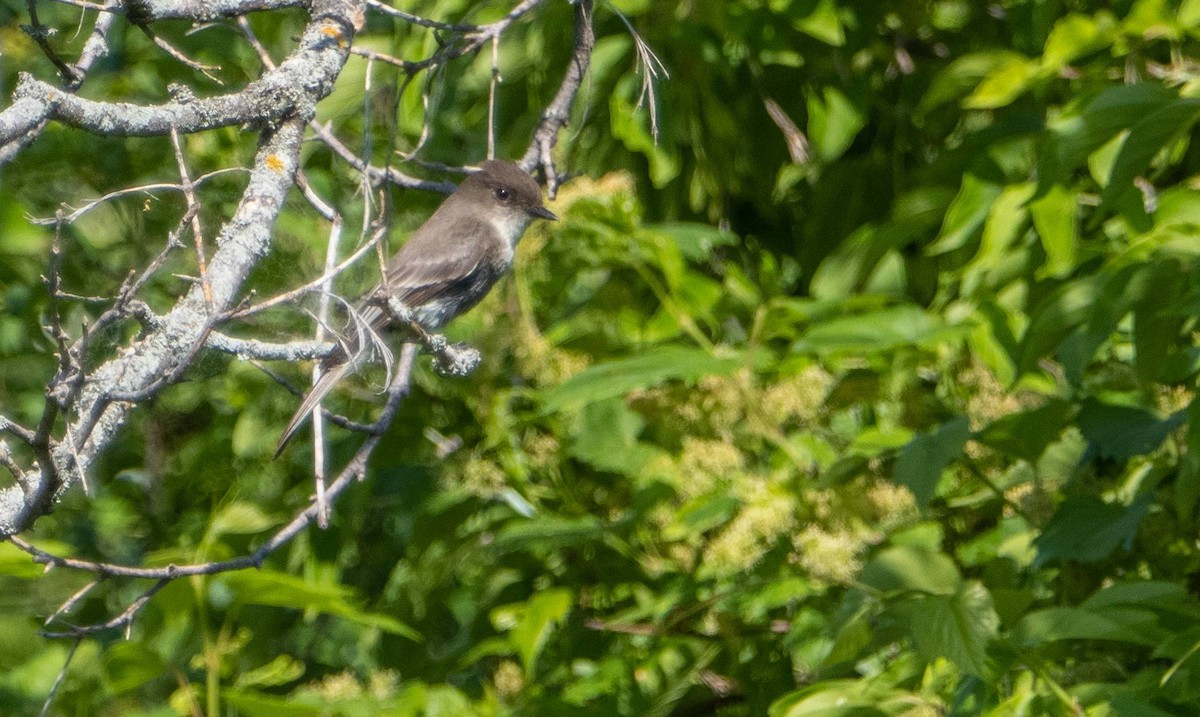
[(61, 676), (193, 209), (40, 34), (418, 20), (492, 85), (649, 66), (146, 189), (304, 288), (351, 472), (206, 70)]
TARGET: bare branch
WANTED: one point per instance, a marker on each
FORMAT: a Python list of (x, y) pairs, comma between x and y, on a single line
[(389, 175), (143, 11), (540, 152), (41, 35), (95, 48), (206, 70), (417, 20), (193, 210), (146, 189), (349, 474), (59, 680)]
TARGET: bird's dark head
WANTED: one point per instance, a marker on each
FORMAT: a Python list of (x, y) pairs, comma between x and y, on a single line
[(509, 189)]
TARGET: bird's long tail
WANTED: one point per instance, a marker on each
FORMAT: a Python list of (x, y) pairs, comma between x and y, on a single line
[(324, 385)]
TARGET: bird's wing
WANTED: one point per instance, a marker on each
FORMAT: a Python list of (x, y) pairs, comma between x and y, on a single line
[(419, 272)]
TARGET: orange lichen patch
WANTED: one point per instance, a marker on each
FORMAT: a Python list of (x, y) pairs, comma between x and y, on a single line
[(334, 33), (274, 163)]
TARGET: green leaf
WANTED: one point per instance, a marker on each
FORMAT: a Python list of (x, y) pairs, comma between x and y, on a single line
[(1075, 135), (1181, 682), (529, 624), (549, 532), (16, 563), (1124, 704), (1087, 530), (616, 378), (695, 241), (1124, 431), (1156, 333), (1054, 218), (240, 517), (834, 120), (1120, 624), (851, 638), (1141, 593), (256, 704), (876, 332), (1005, 83), (268, 587), (130, 665), (957, 627), (1145, 139), (701, 514), (823, 23), (1007, 219), (851, 264), (631, 125), (607, 437), (828, 698), (922, 461), (1077, 35), (279, 671), (961, 76), (904, 568), (1189, 14), (1055, 317), (966, 214), (1187, 485), (1026, 434)]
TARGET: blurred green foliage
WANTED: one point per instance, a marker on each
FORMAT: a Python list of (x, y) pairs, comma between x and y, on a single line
[(879, 407)]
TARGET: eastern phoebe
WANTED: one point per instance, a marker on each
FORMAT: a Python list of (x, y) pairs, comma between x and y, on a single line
[(448, 265)]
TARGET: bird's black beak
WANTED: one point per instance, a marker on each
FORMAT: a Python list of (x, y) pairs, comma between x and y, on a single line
[(543, 213)]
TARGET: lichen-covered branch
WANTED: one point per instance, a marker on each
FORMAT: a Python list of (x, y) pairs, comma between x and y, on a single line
[(96, 386)]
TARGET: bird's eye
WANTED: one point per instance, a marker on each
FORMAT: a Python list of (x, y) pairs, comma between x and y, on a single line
[(501, 193)]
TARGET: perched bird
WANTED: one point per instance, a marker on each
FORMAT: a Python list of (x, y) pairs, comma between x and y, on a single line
[(448, 265)]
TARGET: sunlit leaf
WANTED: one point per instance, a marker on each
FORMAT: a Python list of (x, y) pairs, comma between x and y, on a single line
[(529, 624), (957, 627), (823, 23), (1118, 624), (966, 214), (265, 587), (1146, 137), (909, 568), (876, 331), (834, 119), (1054, 217), (1076, 35), (618, 377), (1005, 83)]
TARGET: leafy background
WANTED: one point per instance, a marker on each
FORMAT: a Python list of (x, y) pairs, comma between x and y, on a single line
[(881, 409)]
